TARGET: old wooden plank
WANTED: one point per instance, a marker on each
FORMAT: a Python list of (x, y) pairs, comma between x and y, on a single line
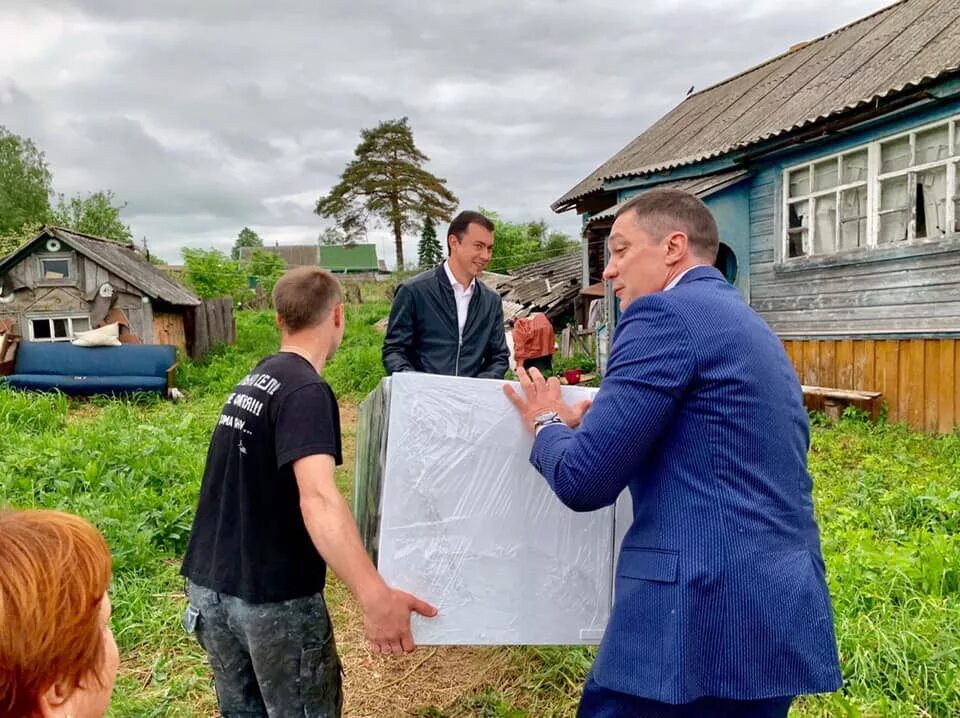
[(948, 406), (839, 393), (865, 365), (887, 375), (931, 384), (795, 353), (201, 340), (811, 363), (911, 372), (828, 362), (844, 360), (956, 383)]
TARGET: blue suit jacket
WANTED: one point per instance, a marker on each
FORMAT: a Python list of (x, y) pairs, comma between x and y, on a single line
[(719, 587)]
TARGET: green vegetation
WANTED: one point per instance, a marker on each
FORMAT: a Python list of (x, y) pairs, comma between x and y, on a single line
[(888, 502)]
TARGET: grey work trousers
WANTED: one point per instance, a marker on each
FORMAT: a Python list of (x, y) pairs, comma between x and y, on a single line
[(269, 660)]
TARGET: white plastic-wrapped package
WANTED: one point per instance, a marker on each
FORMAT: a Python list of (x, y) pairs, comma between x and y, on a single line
[(452, 511)]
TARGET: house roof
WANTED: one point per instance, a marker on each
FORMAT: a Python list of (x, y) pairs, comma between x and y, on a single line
[(349, 258), (548, 286), (699, 186), (121, 259), (295, 255), (900, 48)]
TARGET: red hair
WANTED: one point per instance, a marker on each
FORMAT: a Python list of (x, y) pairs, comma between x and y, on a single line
[(54, 572)]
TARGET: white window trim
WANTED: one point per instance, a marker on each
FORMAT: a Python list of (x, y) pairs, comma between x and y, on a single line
[(874, 177), (70, 318)]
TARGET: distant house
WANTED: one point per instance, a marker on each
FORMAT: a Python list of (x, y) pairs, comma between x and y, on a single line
[(350, 258), (832, 170), (62, 282), (295, 255)]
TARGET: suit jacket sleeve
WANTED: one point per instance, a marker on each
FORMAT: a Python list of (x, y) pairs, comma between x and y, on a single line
[(400, 332), (651, 366), (497, 355)]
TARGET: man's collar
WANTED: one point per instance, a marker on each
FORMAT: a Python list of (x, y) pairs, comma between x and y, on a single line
[(676, 280), (453, 280)]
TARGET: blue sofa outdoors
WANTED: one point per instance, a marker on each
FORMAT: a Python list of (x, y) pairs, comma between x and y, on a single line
[(85, 371)]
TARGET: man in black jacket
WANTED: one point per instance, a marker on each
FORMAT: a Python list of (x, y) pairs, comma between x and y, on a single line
[(444, 320)]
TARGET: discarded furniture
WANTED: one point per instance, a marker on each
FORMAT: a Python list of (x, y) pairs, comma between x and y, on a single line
[(832, 401), (85, 371)]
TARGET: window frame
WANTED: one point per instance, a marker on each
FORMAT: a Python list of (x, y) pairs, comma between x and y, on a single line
[(68, 257), (951, 163), (51, 318)]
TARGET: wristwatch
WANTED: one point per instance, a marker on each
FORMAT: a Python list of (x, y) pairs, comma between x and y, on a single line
[(545, 419)]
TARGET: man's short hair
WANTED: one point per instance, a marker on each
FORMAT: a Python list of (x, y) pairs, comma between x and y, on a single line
[(460, 223), (304, 296), (662, 211)]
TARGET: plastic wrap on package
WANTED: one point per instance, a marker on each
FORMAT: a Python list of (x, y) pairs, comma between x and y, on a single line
[(452, 511)]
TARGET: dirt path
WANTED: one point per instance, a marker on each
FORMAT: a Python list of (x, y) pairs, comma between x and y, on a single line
[(378, 687)]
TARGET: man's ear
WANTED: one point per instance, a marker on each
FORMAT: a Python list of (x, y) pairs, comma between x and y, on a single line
[(677, 245), (279, 322), (53, 701), (339, 317)]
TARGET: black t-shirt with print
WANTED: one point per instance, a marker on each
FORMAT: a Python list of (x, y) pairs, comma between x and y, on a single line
[(248, 538)]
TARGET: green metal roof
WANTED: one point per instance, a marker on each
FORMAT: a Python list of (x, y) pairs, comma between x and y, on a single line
[(349, 258)]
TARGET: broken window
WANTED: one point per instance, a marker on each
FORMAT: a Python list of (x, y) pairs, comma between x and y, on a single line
[(57, 329), (896, 190), (797, 229)]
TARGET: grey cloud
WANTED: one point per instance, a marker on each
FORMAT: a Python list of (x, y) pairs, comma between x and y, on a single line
[(208, 116)]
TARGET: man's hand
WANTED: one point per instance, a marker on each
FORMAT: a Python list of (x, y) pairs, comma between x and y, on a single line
[(386, 620), (541, 395)]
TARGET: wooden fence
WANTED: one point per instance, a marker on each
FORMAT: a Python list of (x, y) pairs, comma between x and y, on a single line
[(208, 325), (917, 377)]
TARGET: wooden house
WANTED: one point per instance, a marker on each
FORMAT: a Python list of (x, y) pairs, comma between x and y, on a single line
[(833, 171), (62, 282)]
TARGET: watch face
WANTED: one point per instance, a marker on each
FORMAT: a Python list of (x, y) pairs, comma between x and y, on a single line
[(545, 416)]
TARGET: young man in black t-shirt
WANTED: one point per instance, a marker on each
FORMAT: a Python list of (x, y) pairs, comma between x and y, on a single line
[(269, 520)]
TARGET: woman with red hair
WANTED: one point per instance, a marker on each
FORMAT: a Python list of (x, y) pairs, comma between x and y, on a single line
[(58, 658)]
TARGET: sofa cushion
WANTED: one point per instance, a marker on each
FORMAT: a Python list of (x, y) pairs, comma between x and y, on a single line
[(62, 358), (105, 336), (87, 385)]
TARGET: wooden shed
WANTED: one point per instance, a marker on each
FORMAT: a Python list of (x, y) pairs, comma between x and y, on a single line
[(832, 170), (62, 282)]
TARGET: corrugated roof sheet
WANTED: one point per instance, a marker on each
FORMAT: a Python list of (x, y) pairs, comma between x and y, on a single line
[(699, 186), (548, 286), (884, 54), (349, 258), (121, 259)]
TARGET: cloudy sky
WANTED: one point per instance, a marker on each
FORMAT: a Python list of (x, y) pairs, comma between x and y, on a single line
[(209, 115)]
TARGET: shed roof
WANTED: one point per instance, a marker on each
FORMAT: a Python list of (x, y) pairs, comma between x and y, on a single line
[(295, 255), (121, 259), (349, 258)]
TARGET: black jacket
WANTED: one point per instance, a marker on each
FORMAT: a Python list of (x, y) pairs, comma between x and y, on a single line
[(423, 334)]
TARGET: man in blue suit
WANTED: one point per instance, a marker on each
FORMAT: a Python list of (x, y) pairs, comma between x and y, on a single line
[(721, 608)]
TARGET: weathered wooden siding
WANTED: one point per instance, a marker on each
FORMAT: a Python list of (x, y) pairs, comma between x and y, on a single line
[(918, 377), (208, 325), (168, 329), (895, 290)]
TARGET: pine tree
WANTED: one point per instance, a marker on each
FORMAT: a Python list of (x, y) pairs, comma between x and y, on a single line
[(429, 251), (386, 180)]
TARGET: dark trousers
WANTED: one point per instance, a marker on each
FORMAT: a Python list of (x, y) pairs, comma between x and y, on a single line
[(269, 660), (598, 702)]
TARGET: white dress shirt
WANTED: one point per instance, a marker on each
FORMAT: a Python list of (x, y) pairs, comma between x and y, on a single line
[(461, 294), (676, 280)]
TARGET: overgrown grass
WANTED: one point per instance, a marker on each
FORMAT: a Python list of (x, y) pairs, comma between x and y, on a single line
[(888, 502)]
